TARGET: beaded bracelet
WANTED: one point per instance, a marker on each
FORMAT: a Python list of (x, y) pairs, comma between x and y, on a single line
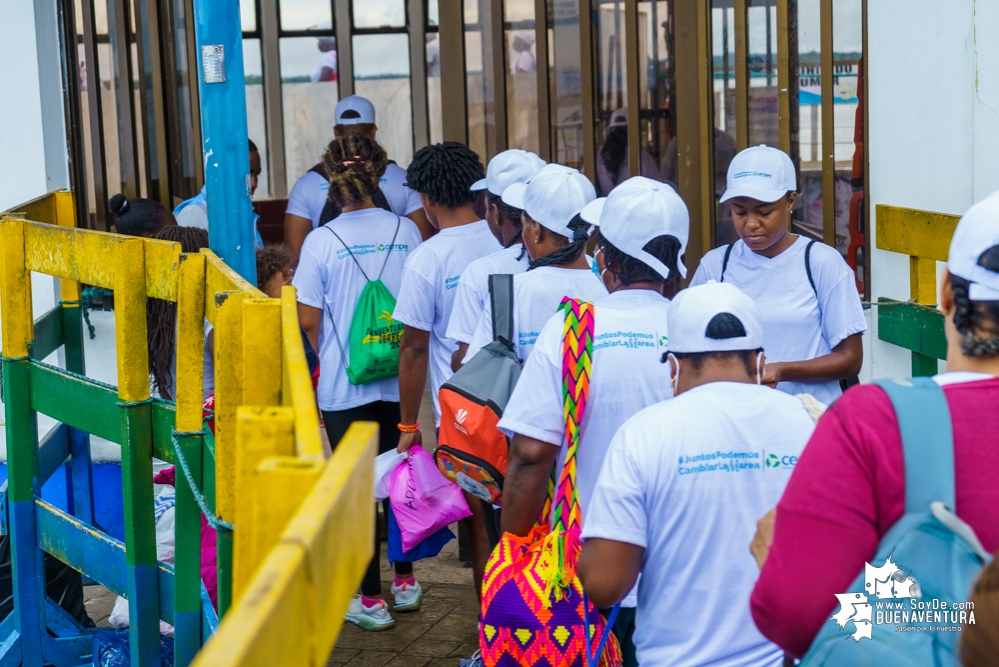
[(409, 428)]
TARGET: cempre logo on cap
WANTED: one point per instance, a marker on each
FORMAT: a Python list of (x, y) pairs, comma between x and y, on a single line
[(354, 110), (762, 173)]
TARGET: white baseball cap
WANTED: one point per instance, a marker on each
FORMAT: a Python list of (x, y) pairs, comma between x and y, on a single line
[(762, 173), (507, 168), (618, 119), (693, 309), (637, 211), (363, 108), (977, 232), (553, 197)]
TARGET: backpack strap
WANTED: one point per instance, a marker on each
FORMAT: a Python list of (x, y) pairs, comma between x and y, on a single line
[(398, 224), (927, 441), (347, 248), (501, 301), (728, 253), (808, 269)]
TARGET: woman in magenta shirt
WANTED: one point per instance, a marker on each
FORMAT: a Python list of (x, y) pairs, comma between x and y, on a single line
[(848, 488)]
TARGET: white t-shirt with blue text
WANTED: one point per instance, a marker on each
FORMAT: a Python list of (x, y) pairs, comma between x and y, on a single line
[(473, 289), (309, 194), (797, 325), (429, 283), (627, 376), (329, 279), (536, 297), (687, 479)]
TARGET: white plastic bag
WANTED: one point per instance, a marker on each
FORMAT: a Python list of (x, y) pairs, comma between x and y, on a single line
[(384, 465), (165, 518)]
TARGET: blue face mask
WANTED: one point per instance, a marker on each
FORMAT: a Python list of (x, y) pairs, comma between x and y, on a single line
[(596, 267)]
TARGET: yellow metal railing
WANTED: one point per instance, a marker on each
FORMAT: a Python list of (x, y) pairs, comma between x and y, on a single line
[(915, 325), (302, 530)]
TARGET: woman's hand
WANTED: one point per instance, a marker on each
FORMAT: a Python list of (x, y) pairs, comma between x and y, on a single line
[(772, 374), (407, 440), (764, 537)]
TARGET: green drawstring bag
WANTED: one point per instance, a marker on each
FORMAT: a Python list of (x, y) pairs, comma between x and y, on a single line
[(374, 336)]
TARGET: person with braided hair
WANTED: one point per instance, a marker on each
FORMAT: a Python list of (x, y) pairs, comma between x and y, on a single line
[(309, 204), (507, 168), (643, 230), (161, 324), (555, 237), (849, 486), (364, 243)]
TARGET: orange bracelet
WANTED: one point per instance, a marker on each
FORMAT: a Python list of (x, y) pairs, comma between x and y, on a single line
[(409, 428)]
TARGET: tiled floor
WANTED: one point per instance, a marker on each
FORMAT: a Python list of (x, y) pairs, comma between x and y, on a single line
[(441, 633)]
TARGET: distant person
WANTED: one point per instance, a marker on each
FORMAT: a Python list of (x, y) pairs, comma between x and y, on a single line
[(613, 158), (849, 488), (326, 70), (140, 216), (525, 61), (682, 485), (807, 295), (193, 212), (309, 204), (433, 55)]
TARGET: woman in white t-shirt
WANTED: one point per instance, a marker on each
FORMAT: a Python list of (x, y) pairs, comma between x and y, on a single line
[(364, 242), (644, 227), (812, 317), (555, 237)]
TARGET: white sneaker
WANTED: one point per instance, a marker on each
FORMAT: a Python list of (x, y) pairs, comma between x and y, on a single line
[(407, 596), (372, 619)]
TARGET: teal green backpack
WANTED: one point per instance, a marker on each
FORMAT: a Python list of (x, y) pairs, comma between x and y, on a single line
[(374, 335)]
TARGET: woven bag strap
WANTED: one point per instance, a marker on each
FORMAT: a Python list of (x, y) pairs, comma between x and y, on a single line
[(577, 362)]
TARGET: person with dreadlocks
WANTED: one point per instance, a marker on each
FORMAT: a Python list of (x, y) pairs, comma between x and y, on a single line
[(643, 230), (555, 237), (363, 243), (161, 323), (848, 489), (507, 168)]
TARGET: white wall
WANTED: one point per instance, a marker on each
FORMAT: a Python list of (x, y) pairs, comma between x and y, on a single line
[(933, 135), (33, 157), (22, 154)]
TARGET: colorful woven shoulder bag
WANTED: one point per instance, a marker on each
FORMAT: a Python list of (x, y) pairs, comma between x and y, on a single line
[(534, 612)]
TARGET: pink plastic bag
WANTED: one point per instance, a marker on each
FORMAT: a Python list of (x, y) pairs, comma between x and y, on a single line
[(422, 499)]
